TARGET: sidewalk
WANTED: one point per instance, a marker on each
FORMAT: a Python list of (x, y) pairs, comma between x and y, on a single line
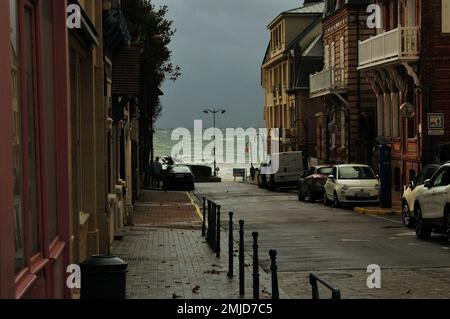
[(168, 258)]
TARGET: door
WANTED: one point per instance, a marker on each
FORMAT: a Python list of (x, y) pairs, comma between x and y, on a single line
[(439, 194), (330, 185)]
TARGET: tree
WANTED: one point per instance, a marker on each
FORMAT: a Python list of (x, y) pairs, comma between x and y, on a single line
[(150, 29)]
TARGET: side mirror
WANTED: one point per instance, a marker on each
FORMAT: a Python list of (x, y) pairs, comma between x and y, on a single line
[(411, 185), (378, 177), (332, 177), (427, 183)]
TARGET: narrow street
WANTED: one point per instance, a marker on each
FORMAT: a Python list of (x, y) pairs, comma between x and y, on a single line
[(338, 244)]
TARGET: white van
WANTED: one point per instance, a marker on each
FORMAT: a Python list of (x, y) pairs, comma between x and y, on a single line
[(290, 168)]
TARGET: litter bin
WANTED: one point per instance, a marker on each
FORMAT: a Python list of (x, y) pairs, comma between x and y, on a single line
[(103, 277)]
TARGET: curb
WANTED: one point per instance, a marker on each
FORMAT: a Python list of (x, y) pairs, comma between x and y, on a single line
[(377, 211)]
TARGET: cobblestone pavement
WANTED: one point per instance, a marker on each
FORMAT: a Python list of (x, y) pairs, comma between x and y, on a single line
[(167, 262), (430, 283)]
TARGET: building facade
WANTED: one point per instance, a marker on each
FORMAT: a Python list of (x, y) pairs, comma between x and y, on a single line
[(35, 207), (291, 34), (69, 151), (345, 127), (407, 65)]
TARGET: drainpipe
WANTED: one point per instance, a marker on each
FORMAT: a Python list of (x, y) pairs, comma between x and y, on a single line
[(359, 84)]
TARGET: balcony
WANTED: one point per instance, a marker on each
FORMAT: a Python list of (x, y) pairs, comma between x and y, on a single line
[(399, 45), (326, 82)]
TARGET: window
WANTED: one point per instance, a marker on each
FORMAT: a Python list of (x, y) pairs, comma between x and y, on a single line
[(49, 116), (442, 178), (445, 16), (356, 172), (327, 57), (387, 115), (30, 109), (380, 114), (17, 141), (395, 108), (333, 57), (343, 130)]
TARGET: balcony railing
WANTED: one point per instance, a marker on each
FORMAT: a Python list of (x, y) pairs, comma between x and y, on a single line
[(402, 43), (327, 81)]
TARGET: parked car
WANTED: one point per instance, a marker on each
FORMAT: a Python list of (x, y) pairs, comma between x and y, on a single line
[(410, 193), (352, 184), (311, 184), (432, 205), (261, 177), (288, 172), (179, 177)]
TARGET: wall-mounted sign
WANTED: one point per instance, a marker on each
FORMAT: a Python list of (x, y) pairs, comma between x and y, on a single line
[(435, 124), (436, 121)]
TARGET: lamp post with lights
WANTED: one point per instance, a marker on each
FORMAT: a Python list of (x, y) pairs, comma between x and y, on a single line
[(214, 111)]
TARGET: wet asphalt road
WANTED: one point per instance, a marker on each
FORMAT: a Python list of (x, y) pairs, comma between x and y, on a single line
[(314, 238)]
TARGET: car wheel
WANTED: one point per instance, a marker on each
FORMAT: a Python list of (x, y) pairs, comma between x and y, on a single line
[(325, 199), (336, 203), (447, 218), (301, 197), (271, 185), (406, 216), (259, 181), (422, 231), (311, 196)]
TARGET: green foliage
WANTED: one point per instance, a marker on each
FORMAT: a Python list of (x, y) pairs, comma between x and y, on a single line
[(150, 29)]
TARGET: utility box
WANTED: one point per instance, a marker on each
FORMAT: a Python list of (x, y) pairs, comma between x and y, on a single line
[(103, 277), (385, 171)]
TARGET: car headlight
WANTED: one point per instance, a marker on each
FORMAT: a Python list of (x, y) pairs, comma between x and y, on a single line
[(345, 188)]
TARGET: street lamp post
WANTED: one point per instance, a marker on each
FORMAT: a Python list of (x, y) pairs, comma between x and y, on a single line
[(214, 111)]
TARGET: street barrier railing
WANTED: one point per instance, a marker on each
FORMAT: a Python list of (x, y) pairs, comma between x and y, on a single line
[(211, 229), (273, 269), (314, 280), (230, 245), (255, 266), (241, 259)]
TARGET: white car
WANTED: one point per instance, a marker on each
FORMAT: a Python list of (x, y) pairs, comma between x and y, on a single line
[(352, 184), (285, 169), (410, 193), (432, 206)]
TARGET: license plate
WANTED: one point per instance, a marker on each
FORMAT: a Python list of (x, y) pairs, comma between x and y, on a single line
[(362, 195)]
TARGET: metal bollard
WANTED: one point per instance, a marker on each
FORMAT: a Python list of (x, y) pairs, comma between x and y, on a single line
[(241, 259), (255, 266), (230, 245), (204, 218), (208, 231), (273, 268), (218, 232)]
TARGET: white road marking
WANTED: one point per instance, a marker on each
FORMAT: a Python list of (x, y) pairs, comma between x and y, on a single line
[(380, 217), (407, 234)]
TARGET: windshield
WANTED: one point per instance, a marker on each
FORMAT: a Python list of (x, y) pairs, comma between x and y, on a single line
[(325, 171), (356, 172)]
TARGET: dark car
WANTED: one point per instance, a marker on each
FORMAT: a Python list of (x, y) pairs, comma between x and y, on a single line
[(311, 184), (179, 177)]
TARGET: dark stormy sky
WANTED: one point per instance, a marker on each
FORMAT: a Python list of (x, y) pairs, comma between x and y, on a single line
[(220, 45)]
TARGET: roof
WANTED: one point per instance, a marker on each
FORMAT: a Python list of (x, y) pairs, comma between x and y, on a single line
[(312, 8)]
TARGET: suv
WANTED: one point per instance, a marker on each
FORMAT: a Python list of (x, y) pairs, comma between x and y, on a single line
[(352, 184), (410, 193), (432, 206)]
